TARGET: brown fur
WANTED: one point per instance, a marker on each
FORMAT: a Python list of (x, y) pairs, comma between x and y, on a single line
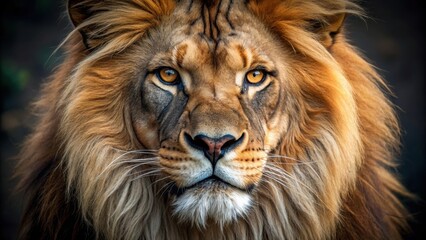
[(316, 148)]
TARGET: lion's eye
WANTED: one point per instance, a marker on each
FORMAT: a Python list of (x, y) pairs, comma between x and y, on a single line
[(168, 75), (255, 76)]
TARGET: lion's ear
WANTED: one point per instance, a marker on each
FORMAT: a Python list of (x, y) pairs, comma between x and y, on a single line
[(323, 18), (119, 22), (78, 12), (328, 30)]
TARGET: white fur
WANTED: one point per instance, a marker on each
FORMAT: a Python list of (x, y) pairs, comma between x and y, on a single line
[(221, 206)]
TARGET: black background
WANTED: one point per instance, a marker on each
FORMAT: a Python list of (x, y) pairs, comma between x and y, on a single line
[(392, 38)]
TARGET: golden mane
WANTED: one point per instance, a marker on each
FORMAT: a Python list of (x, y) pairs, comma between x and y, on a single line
[(78, 186)]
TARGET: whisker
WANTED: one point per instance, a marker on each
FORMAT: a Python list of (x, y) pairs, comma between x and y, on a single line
[(298, 162), (164, 189), (115, 163), (138, 165), (275, 177), (307, 164), (141, 160), (159, 180), (301, 162), (146, 174), (280, 173), (135, 151)]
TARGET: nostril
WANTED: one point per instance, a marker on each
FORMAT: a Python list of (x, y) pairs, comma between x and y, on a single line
[(196, 142), (202, 143), (228, 144)]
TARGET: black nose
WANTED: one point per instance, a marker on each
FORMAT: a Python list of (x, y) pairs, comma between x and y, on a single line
[(213, 148)]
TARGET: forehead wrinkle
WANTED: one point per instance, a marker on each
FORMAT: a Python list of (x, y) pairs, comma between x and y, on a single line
[(202, 16), (211, 18), (219, 52), (242, 52), (179, 54)]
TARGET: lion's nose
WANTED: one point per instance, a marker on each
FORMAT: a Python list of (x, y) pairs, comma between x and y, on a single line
[(213, 148)]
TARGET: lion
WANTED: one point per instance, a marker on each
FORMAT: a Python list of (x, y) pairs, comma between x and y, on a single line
[(222, 119)]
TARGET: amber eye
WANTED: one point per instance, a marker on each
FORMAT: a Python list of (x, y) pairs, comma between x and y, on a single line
[(168, 75), (255, 76)]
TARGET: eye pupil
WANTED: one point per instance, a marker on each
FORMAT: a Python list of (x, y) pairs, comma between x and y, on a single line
[(169, 72)]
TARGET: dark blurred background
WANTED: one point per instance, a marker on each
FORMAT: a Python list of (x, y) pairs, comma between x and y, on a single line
[(392, 39)]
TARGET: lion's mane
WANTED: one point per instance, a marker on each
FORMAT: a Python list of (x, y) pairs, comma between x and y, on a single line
[(349, 127)]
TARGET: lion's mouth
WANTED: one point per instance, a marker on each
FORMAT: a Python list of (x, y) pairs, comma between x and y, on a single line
[(210, 183)]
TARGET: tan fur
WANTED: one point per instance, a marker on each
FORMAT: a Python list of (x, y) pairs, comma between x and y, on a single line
[(315, 143)]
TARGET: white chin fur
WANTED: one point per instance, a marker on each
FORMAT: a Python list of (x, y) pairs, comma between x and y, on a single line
[(220, 206)]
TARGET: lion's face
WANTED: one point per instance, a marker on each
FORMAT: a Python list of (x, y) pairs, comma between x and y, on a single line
[(210, 104)]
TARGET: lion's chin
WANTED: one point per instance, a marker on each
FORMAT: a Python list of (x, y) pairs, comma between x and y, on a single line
[(211, 201)]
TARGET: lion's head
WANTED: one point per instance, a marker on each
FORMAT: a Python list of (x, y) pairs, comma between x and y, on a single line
[(234, 119)]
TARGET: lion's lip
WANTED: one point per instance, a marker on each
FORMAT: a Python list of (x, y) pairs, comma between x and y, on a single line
[(205, 183), (210, 180)]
